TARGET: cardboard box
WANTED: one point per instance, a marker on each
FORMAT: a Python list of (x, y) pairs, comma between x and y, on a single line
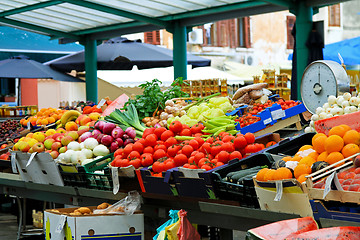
[(293, 199), (62, 225)]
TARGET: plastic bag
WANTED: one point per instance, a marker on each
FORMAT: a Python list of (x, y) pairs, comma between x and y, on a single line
[(282, 229), (186, 230), (161, 234), (126, 206), (117, 103)]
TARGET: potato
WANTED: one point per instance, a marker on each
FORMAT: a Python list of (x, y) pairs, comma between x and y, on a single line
[(102, 206), (84, 210)]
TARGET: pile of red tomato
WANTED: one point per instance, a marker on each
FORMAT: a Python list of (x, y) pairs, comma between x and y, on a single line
[(184, 146)]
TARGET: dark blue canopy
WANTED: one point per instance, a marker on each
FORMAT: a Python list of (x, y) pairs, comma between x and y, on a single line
[(349, 50)]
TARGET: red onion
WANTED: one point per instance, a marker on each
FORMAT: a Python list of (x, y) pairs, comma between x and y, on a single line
[(130, 131)]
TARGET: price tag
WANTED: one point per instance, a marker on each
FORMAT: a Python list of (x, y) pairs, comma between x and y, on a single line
[(337, 183), (279, 191), (279, 113), (267, 121), (31, 158), (328, 184), (115, 178), (101, 103), (60, 224), (13, 162), (28, 125)]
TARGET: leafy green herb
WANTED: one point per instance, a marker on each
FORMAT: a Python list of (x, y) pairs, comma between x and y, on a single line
[(153, 98)]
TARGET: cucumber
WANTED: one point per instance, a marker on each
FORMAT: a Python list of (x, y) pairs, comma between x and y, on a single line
[(248, 177), (242, 173), (230, 174)]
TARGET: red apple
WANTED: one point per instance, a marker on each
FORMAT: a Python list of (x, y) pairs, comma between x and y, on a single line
[(49, 142), (38, 147), (54, 154), (56, 135), (66, 140), (55, 146)]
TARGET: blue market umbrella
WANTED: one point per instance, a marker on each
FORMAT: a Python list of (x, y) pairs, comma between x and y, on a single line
[(122, 54), (23, 67)]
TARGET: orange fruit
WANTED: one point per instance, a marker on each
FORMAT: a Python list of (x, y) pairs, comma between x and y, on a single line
[(302, 178), (269, 175), (296, 158), (305, 147), (352, 136), (44, 121), (38, 121), (314, 155), (334, 157), (339, 130), (50, 119), (301, 169), (260, 176), (282, 173), (350, 149), (55, 116), (334, 143), (316, 136), (322, 157), (319, 143), (287, 158), (307, 160)]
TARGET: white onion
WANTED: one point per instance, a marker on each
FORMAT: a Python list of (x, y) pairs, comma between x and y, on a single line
[(345, 104), (315, 117), (353, 109), (331, 99), (312, 123), (307, 130), (347, 96), (354, 101), (329, 115), (319, 110), (328, 110), (322, 115), (347, 110), (340, 100), (326, 105)]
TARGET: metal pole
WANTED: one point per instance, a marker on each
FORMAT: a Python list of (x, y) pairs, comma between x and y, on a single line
[(303, 27), (179, 51), (91, 70)]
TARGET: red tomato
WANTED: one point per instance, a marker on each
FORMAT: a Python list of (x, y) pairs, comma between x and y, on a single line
[(250, 138), (166, 135), (202, 162), (251, 148), (169, 164), (148, 150), (159, 154), (119, 151), (138, 147), (194, 144), (116, 163), (146, 159), (173, 150), (136, 163), (124, 162), (240, 142), (175, 126), (185, 132), (150, 140), (191, 160), (186, 165), (199, 140), (228, 138), (199, 156), (185, 126), (235, 154), (128, 149), (215, 149), (197, 128), (206, 148), (170, 141), (160, 146), (194, 153), (180, 160), (159, 131), (210, 140), (158, 167), (223, 156), (206, 167), (187, 150), (148, 131), (228, 147), (133, 155), (218, 164), (271, 143), (193, 166)]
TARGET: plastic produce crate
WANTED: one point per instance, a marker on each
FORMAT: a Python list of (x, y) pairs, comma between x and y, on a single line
[(290, 146), (85, 176), (245, 194), (160, 185), (278, 114), (265, 120)]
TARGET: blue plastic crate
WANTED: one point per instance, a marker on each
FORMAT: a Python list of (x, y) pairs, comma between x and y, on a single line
[(343, 212), (265, 120)]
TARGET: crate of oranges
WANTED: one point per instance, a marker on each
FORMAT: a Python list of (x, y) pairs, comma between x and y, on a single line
[(43, 117)]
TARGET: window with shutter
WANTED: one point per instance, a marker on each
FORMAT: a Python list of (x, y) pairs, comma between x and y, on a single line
[(290, 22), (334, 15), (152, 37), (243, 32)]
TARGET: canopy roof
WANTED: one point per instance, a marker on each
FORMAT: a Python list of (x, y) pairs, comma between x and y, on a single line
[(101, 19)]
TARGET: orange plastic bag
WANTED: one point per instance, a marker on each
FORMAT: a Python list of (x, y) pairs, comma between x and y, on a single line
[(117, 103), (186, 230), (283, 229), (334, 233)]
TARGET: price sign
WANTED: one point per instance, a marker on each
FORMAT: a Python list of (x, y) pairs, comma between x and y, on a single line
[(31, 158), (267, 121), (279, 191), (115, 178), (277, 114), (13, 162), (328, 182), (101, 103)]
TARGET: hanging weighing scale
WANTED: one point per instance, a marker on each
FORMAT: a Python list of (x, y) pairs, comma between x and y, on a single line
[(320, 80)]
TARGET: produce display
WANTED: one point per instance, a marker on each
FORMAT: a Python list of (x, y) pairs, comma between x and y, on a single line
[(335, 106), (9, 129)]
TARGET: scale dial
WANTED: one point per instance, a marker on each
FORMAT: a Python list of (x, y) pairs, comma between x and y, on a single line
[(320, 80)]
